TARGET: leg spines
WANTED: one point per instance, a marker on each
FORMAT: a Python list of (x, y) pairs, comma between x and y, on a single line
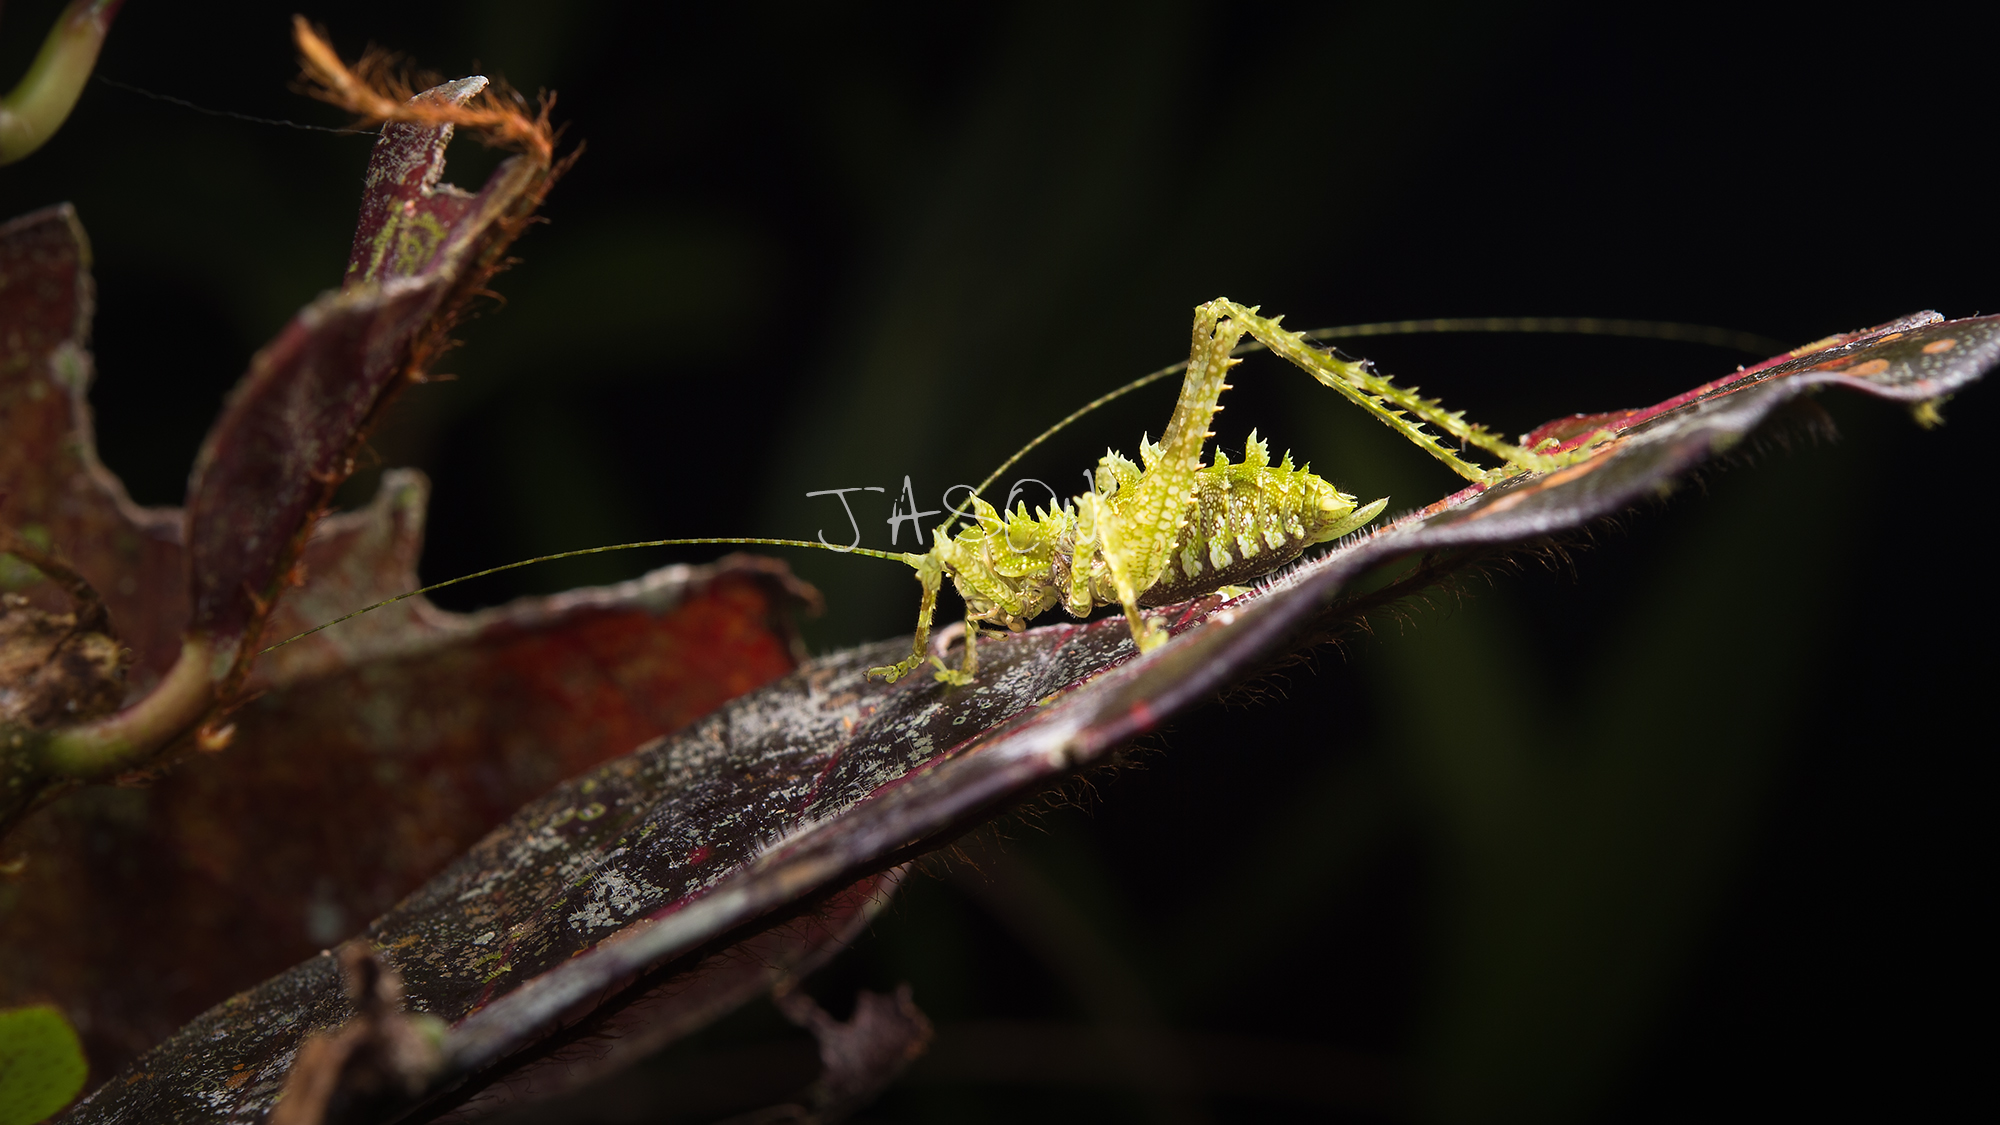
[(1391, 404)]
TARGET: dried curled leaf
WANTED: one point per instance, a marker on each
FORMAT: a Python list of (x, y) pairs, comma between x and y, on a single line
[(384, 1050), (291, 429)]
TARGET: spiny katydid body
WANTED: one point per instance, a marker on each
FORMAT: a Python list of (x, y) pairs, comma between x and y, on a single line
[(1172, 528), (1151, 533), (1165, 529)]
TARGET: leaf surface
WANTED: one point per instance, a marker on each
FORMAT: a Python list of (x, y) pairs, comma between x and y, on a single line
[(630, 878), (53, 489)]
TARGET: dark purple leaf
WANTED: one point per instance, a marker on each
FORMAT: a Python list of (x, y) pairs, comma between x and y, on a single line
[(406, 212), (622, 880), (407, 744), (52, 487), (288, 435)]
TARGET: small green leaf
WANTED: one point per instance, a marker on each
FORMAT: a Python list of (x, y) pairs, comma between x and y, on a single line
[(41, 1064)]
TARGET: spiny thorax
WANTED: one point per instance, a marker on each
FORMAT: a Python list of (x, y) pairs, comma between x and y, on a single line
[(1005, 566)]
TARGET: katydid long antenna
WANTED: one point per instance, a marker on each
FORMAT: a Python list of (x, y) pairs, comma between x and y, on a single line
[(1733, 339), (892, 556), (1576, 326)]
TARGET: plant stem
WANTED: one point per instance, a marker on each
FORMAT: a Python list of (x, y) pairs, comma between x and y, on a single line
[(33, 111), (117, 742)]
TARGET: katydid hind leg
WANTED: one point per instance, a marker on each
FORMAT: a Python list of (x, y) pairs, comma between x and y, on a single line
[(1142, 524), (1401, 409)]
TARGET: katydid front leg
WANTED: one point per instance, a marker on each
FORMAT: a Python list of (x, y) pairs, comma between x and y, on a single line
[(968, 665), (930, 572)]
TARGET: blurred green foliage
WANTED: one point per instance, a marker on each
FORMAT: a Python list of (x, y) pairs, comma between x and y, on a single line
[(41, 1064), (1687, 823)]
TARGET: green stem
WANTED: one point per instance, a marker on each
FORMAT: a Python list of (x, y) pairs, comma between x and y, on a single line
[(33, 111), (120, 741)]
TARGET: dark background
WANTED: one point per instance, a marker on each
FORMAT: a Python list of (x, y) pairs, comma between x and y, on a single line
[(1687, 828)]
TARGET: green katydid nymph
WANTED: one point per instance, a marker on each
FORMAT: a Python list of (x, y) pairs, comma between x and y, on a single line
[(1166, 528)]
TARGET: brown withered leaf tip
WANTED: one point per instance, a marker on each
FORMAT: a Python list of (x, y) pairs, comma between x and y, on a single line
[(862, 1055), (645, 866), (380, 1052), (378, 90)]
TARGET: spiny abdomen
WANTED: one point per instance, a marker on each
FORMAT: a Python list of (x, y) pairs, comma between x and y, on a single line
[(1245, 521)]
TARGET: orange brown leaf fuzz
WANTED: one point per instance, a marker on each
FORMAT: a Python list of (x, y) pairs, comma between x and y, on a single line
[(378, 90)]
